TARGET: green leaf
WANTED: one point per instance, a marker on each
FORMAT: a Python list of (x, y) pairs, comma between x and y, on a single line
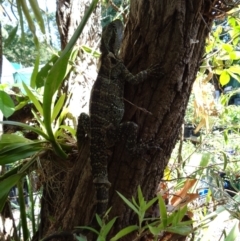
[(43, 73), (6, 104), (225, 158), (89, 228), (27, 127), (234, 69), (38, 14), (233, 234), (99, 220), (108, 227), (5, 187), (141, 199), (224, 77), (12, 138), (33, 99), (54, 79), (182, 230), (155, 230), (18, 155), (150, 203), (124, 232), (11, 37), (91, 51), (227, 47), (235, 55), (128, 203), (35, 71), (225, 135), (163, 211), (58, 107)]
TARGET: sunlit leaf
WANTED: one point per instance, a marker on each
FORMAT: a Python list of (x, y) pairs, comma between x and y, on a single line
[(227, 47), (224, 78), (235, 55)]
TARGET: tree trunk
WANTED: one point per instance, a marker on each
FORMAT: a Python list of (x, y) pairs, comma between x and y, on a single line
[(171, 33)]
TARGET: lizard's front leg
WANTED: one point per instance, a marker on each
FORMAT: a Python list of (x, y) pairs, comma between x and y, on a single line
[(83, 128)]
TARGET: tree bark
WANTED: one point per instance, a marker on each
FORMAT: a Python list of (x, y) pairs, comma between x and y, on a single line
[(171, 33)]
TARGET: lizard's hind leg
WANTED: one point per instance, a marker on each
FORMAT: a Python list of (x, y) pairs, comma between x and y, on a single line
[(128, 131)]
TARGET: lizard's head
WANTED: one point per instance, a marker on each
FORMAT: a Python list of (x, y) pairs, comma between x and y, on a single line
[(112, 36)]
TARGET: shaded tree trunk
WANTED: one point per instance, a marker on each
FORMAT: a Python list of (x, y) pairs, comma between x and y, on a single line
[(171, 33)]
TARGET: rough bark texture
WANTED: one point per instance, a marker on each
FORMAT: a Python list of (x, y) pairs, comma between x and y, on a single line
[(171, 33)]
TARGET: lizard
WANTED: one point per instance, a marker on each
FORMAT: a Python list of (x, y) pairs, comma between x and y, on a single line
[(103, 124)]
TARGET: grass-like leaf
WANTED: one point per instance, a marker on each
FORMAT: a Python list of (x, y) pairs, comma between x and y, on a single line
[(124, 232), (128, 203), (33, 99), (27, 127)]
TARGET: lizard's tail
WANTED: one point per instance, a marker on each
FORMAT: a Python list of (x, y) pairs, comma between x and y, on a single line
[(102, 190)]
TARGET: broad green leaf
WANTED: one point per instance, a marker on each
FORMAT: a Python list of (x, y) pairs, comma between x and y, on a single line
[(33, 99), (6, 104), (224, 77), (124, 232), (128, 203), (163, 211), (11, 37), (12, 138)]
